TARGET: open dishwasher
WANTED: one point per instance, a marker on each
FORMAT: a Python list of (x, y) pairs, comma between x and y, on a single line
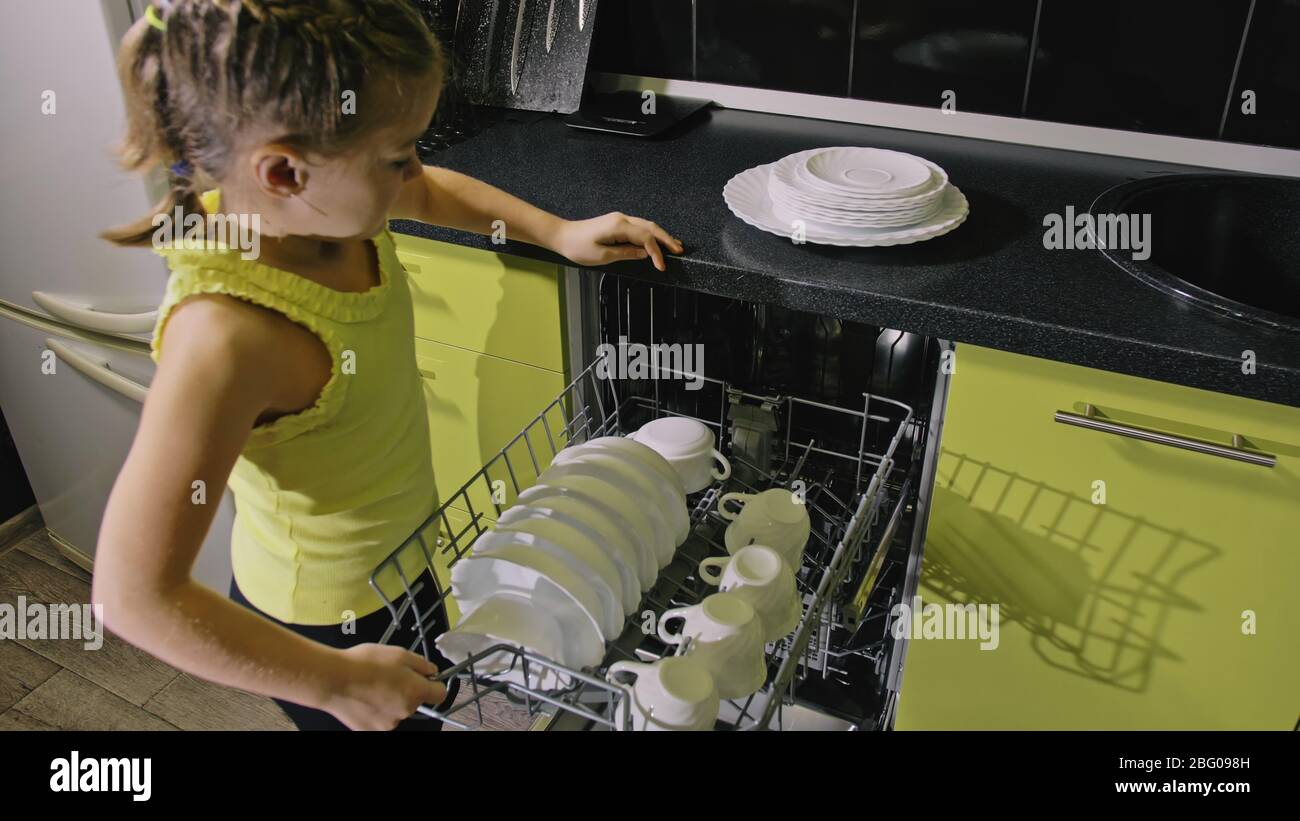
[(843, 414)]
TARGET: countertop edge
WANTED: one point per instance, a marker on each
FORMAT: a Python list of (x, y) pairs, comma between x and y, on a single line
[(957, 324)]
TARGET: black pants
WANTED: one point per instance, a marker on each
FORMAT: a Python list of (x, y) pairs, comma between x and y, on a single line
[(369, 628)]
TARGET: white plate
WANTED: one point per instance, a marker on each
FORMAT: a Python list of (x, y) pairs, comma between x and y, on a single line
[(614, 526), (585, 543), (672, 504), (508, 619), (476, 579), (792, 170), (644, 453), (822, 222), (582, 580), (849, 214), (616, 490), (746, 195), (807, 190), (873, 170), (841, 206)]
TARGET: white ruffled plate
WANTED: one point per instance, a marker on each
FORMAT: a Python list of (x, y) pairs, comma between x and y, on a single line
[(823, 221), (597, 595), (868, 170), (791, 172), (509, 619), (746, 194), (475, 579), (782, 195)]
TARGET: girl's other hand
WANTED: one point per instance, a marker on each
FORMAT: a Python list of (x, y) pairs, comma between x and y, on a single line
[(379, 685), (612, 237)]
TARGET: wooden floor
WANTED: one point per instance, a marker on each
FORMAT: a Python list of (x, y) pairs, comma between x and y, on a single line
[(57, 684)]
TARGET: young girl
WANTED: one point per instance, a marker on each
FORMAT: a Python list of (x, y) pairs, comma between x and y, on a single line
[(329, 465)]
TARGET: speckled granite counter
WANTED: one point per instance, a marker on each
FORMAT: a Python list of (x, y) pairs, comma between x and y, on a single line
[(991, 282)]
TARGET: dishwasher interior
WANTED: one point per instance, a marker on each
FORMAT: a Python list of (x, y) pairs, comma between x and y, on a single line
[(842, 413)]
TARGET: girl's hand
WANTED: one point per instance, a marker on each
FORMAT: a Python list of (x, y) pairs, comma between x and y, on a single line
[(379, 685), (612, 237)]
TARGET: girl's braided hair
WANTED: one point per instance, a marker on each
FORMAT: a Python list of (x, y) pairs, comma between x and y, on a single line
[(274, 68)]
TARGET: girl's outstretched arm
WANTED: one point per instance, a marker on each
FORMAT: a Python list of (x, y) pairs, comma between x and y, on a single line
[(443, 197), (226, 363)]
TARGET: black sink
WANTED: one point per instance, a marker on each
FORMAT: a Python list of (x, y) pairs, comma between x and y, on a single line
[(1229, 243)]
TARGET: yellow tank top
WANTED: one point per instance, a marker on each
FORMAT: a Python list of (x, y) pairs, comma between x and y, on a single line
[(324, 495)]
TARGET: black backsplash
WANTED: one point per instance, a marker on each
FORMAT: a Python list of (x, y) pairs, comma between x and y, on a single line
[(788, 46), (1158, 66), (917, 51)]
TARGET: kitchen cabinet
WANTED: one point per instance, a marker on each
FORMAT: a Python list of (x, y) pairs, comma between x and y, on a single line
[(477, 404), (496, 304), (1139, 585), (489, 345)]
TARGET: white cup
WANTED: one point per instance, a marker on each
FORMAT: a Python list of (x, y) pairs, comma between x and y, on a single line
[(776, 518), (675, 693), (758, 574), (688, 446), (726, 635)]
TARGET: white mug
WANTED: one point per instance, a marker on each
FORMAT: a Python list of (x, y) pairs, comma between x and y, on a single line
[(776, 518), (726, 635), (758, 574), (688, 446), (675, 693)]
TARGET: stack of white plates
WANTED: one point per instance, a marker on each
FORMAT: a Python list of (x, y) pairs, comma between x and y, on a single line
[(564, 569), (848, 196)]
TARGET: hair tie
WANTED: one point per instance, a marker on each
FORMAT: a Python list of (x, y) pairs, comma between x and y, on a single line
[(182, 169), (151, 14)]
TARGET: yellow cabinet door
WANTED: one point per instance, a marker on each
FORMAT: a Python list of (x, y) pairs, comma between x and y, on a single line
[(1138, 585), (477, 405), (500, 305)]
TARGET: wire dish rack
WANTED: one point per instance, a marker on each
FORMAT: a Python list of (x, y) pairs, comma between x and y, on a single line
[(845, 492)]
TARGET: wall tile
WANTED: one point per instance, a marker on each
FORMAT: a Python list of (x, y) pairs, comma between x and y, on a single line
[(1159, 66), (1270, 67), (650, 38), (789, 45), (912, 51)]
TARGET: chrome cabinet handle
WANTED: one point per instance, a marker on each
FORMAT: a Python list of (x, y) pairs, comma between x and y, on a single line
[(1091, 421)]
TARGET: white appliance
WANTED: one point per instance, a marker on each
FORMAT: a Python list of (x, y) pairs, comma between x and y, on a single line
[(67, 298)]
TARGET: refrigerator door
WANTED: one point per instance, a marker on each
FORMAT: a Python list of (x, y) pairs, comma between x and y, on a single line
[(61, 182), (73, 405)]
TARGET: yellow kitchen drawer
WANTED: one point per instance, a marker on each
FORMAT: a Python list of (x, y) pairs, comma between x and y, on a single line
[(496, 304), (477, 404), (1138, 585)]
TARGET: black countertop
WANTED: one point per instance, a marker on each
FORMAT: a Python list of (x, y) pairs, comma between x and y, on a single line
[(991, 282)]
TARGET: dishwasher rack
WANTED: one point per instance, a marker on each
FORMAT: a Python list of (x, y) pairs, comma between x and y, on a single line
[(845, 492)]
